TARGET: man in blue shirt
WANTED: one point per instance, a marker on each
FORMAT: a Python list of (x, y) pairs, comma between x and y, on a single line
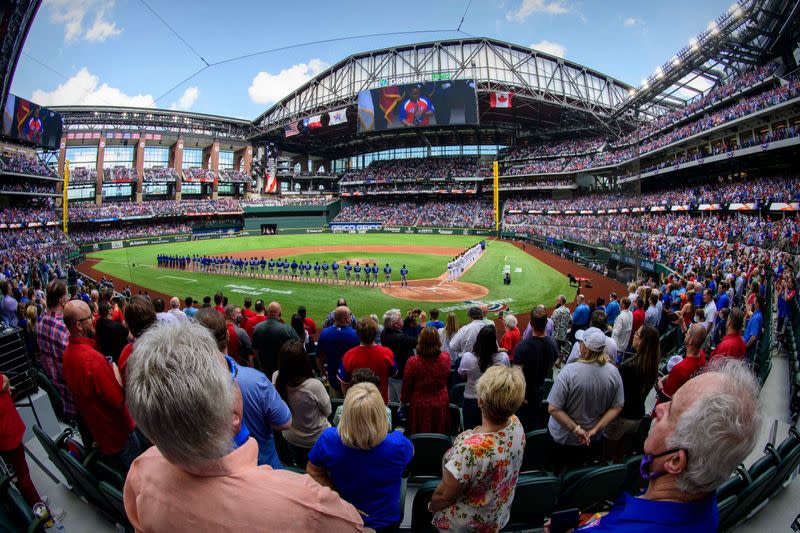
[(387, 276), (723, 301), (333, 342), (404, 276), (580, 318), (325, 272), (263, 410), (347, 269), (335, 272), (612, 309), (693, 428), (753, 330)]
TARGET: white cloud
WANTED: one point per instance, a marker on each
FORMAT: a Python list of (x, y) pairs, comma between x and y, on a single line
[(528, 7), (549, 47), (632, 21), (84, 88), (72, 14), (187, 99), (267, 88)]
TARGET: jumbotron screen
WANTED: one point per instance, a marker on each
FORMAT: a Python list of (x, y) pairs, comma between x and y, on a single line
[(25, 121), (418, 105)]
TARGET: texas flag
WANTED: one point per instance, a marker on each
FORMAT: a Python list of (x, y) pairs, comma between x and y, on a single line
[(314, 122), (500, 99)]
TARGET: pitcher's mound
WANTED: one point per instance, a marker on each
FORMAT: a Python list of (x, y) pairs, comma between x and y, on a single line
[(433, 290)]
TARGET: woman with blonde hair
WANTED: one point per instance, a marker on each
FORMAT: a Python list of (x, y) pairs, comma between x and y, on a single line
[(479, 473), (362, 460), (586, 396), (425, 386)]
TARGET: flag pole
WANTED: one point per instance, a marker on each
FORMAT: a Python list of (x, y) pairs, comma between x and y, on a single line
[(496, 198), (65, 198)]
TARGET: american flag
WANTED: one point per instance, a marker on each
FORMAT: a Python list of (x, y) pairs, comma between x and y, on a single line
[(291, 129)]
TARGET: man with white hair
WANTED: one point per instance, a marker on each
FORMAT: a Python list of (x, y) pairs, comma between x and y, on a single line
[(696, 442), (465, 337), (202, 467), (175, 308)]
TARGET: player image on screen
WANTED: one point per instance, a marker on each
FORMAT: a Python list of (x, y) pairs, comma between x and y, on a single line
[(417, 110)]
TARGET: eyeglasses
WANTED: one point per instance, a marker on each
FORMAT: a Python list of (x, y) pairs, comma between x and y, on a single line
[(636, 334), (90, 317)]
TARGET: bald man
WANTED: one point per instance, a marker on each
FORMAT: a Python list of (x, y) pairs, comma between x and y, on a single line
[(269, 336), (692, 364), (95, 383)]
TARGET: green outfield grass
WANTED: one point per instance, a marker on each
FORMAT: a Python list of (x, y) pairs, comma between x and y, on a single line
[(532, 281)]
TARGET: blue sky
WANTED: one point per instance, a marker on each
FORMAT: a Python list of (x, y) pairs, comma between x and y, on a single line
[(110, 52)]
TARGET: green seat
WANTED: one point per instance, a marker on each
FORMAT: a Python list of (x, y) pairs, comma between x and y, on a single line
[(456, 394), (107, 474), (52, 448), (53, 395), (456, 421), (114, 497), (335, 402), (420, 516), (429, 448), (535, 498), (727, 499), (788, 453), (81, 477), (18, 515), (634, 482), (753, 496), (584, 487), (537, 444)]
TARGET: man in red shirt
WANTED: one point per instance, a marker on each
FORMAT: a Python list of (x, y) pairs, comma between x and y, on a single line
[(139, 315), (732, 344), (638, 317), (694, 361), (96, 385), (377, 358), (259, 317), (308, 324), (218, 303)]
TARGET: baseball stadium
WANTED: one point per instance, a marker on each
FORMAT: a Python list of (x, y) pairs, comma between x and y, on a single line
[(457, 284)]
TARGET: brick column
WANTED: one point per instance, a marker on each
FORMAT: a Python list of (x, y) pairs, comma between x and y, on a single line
[(244, 160), (211, 161), (138, 165), (101, 156), (176, 162)]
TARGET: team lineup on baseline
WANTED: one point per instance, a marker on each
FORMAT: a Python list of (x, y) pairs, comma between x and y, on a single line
[(284, 269)]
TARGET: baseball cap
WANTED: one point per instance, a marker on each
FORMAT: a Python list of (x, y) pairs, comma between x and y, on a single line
[(674, 360), (593, 338)]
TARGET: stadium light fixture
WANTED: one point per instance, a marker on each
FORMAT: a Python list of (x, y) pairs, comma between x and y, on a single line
[(631, 91), (693, 44), (713, 28), (659, 72), (676, 62)]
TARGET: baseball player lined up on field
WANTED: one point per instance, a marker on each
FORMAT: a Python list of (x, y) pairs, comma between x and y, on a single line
[(387, 276), (459, 264)]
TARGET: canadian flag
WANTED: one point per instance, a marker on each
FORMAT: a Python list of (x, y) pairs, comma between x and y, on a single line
[(499, 99)]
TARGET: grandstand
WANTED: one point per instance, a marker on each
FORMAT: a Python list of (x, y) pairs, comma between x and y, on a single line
[(682, 202)]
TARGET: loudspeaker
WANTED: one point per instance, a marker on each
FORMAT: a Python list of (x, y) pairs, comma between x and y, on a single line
[(16, 363)]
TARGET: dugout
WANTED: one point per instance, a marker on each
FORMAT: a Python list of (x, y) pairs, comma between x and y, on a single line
[(283, 217)]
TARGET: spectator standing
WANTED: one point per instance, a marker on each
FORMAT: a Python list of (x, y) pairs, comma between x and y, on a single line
[(652, 317), (580, 317), (259, 316), (434, 321), (308, 323), (710, 310), (639, 374), (612, 309), (425, 386), (639, 315), (691, 364), (306, 397), (484, 461), (239, 347), (111, 336), (752, 332), (446, 333), (363, 444), (511, 337), (9, 304), (139, 315), (536, 356), (598, 323), (464, 339), (195, 474), (623, 325), (485, 353), (263, 410), (53, 335), (587, 395), (175, 308), (402, 347), (334, 342), (161, 315), (377, 358), (269, 336), (96, 385), (732, 344), (189, 309)]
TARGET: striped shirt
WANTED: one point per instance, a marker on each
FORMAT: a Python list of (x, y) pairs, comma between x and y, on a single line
[(53, 337)]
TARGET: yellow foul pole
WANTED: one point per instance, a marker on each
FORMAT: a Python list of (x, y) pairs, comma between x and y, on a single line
[(64, 200), (496, 197)]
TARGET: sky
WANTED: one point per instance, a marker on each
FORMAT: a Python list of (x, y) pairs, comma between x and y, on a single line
[(122, 52)]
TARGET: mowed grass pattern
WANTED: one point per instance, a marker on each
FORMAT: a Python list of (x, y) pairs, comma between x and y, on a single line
[(536, 283)]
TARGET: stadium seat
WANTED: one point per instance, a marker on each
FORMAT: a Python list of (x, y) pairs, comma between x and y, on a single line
[(727, 499), (752, 496), (534, 498), (456, 394), (16, 515), (548, 384), (114, 497), (788, 453), (52, 448), (456, 420), (634, 482), (536, 450), (53, 395), (335, 402), (584, 487), (429, 448), (89, 485), (420, 517)]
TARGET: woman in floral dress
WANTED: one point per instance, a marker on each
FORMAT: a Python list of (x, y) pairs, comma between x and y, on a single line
[(480, 471), (425, 386)]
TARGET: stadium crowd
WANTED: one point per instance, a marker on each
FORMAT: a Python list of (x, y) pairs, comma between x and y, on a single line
[(442, 213), (160, 174), (129, 231), (234, 176), (198, 174), (84, 212), (21, 164), (385, 171), (82, 176), (119, 174), (26, 187), (270, 201)]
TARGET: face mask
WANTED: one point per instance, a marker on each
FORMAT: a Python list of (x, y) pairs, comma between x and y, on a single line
[(648, 458)]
